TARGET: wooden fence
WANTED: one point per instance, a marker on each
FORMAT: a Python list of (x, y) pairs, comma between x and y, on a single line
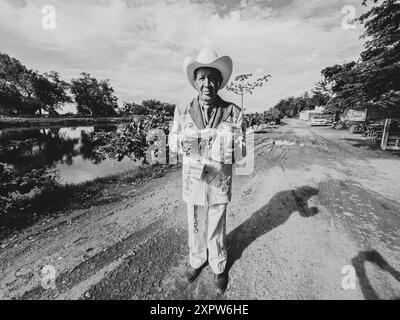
[(391, 135)]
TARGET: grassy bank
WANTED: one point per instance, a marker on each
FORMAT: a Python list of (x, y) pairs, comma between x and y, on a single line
[(44, 122), (53, 200)]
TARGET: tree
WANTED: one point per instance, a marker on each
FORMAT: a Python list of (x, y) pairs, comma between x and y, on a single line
[(321, 94), (155, 105), (255, 119), (239, 87), (10, 99), (148, 107), (380, 66), (51, 91), (16, 86), (273, 115), (132, 108), (292, 106), (375, 77), (346, 83), (24, 91), (93, 98)]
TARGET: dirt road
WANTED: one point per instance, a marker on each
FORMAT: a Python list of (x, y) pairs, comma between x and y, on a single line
[(319, 211)]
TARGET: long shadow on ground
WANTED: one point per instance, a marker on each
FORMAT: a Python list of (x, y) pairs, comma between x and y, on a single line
[(359, 264), (153, 269), (275, 213), (272, 215)]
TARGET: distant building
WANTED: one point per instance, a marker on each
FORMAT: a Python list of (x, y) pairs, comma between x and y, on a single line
[(308, 115), (355, 115)]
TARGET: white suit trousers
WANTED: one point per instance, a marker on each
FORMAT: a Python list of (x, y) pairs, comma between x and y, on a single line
[(207, 230)]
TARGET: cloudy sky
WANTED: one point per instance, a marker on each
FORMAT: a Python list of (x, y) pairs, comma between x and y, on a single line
[(140, 44)]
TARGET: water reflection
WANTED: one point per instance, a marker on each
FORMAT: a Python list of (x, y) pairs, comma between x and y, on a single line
[(69, 150)]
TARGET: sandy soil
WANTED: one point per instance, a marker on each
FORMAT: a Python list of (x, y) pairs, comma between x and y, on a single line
[(321, 209)]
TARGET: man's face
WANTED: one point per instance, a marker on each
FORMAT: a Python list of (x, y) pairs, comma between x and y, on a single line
[(207, 82)]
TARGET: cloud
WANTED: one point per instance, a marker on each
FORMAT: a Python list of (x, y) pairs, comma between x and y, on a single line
[(140, 45)]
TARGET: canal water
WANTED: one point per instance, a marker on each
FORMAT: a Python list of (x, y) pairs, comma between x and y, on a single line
[(65, 150)]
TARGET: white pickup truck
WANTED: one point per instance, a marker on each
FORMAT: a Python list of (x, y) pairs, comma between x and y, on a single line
[(316, 121)]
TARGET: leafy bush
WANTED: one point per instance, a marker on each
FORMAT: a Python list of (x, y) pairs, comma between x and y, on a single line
[(132, 139), (16, 189), (147, 107), (255, 119)]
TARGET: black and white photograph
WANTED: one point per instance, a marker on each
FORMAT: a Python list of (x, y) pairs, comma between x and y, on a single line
[(216, 152)]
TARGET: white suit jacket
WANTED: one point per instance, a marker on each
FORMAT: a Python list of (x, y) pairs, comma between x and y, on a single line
[(215, 184)]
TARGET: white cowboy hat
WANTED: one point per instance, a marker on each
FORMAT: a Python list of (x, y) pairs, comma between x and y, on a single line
[(208, 58)]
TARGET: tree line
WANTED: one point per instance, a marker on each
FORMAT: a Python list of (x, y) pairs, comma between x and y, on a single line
[(372, 80), (26, 92), (272, 116)]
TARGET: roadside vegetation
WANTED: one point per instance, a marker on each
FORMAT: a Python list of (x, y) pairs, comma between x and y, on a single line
[(28, 93), (373, 80), (28, 187), (25, 200)]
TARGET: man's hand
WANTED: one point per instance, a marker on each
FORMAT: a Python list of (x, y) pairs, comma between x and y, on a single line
[(196, 144), (187, 144), (189, 141)]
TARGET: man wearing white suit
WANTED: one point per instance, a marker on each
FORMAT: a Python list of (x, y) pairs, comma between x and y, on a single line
[(207, 132)]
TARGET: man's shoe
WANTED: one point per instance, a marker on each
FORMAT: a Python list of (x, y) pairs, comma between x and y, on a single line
[(221, 282), (191, 274)]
